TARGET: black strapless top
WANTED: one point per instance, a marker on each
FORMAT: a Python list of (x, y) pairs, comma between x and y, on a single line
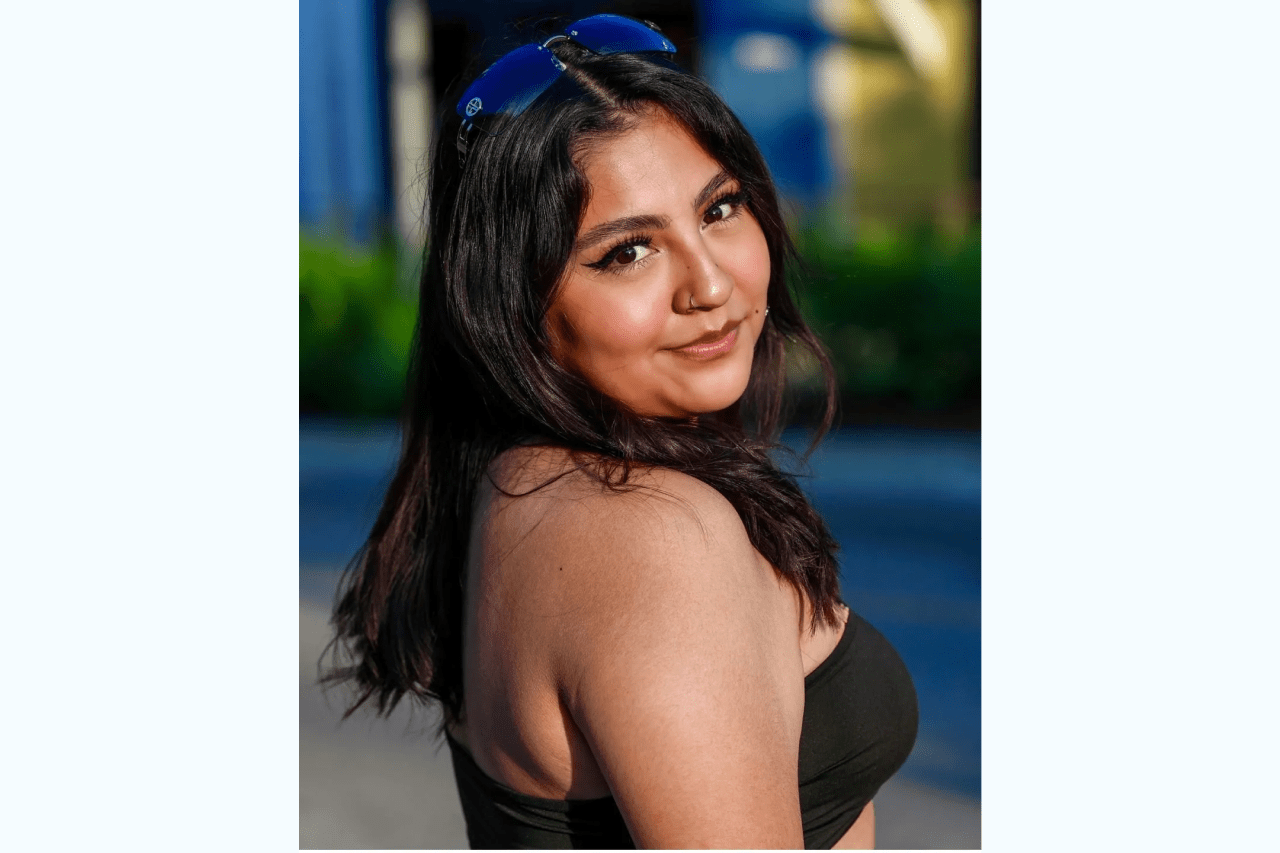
[(860, 720)]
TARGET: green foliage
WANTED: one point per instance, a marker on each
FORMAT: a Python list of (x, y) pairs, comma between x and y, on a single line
[(354, 329), (900, 312)]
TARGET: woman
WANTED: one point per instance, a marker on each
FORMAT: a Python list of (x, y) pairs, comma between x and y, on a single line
[(629, 615)]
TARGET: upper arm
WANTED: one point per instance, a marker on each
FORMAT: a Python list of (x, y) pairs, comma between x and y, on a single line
[(682, 672)]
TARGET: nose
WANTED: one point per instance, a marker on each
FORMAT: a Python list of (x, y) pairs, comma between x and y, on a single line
[(704, 286)]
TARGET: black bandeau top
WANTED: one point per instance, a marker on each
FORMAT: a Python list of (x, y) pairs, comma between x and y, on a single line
[(860, 720)]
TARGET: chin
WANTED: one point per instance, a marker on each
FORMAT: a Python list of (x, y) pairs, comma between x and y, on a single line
[(714, 392), (704, 401), (686, 393), (716, 403)]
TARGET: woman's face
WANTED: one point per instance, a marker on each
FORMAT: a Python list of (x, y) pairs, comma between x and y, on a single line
[(664, 296)]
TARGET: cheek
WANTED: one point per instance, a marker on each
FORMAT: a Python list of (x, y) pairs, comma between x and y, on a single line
[(749, 265), (601, 328)]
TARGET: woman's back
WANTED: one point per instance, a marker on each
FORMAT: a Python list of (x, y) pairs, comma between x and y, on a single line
[(623, 624)]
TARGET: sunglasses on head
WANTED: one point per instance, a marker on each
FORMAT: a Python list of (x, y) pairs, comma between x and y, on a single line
[(510, 85)]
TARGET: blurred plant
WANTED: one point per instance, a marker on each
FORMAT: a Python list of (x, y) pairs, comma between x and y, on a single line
[(354, 329), (901, 312)]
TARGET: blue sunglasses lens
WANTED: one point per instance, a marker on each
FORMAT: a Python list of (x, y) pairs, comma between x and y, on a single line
[(511, 84), (616, 34)]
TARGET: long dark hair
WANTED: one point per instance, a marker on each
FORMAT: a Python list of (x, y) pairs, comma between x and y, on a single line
[(482, 378)]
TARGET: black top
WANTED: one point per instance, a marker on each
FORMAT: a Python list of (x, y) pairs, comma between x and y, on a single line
[(859, 726)]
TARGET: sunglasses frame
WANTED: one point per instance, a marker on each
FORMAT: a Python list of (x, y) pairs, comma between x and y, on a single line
[(471, 105)]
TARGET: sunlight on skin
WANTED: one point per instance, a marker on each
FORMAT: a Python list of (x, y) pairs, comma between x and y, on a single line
[(663, 308)]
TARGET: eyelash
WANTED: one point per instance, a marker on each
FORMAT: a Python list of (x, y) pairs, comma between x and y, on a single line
[(605, 264), (737, 200)]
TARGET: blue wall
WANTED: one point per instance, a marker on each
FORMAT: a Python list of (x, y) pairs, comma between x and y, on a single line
[(342, 177), (760, 55)]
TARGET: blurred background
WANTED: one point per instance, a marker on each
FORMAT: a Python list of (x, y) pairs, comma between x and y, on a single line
[(868, 114)]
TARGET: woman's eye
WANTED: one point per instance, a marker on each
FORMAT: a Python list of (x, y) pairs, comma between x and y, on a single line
[(628, 255), (724, 209), (717, 213)]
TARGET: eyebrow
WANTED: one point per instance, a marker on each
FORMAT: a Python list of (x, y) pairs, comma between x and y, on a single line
[(646, 222), (713, 186)]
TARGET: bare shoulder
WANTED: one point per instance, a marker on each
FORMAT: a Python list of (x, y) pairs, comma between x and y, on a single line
[(659, 528), (669, 641), (681, 666), (664, 509), (660, 559)]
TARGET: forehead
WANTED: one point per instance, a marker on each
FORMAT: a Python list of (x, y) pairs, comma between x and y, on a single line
[(653, 165)]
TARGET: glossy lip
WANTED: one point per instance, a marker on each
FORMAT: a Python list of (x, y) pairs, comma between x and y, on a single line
[(719, 344)]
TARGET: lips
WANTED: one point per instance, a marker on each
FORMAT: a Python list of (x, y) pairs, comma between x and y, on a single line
[(711, 345)]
